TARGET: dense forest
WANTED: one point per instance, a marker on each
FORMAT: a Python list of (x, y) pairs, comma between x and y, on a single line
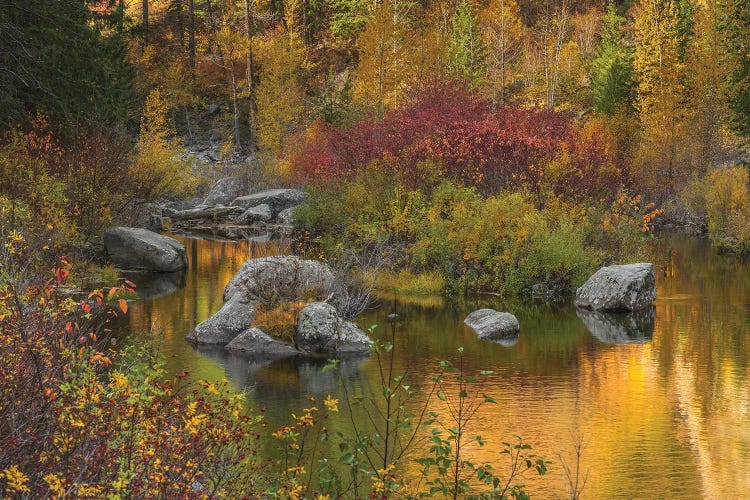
[(504, 147)]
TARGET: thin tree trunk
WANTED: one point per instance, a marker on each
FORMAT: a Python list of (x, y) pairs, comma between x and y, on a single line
[(191, 36), (191, 32), (180, 22), (145, 20), (502, 52), (236, 110), (250, 67), (120, 15)]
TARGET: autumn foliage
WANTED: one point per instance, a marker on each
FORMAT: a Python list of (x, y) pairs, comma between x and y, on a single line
[(79, 420), (464, 139)]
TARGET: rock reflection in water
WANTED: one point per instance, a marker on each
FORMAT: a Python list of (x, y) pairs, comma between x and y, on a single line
[(620, 328), (150, 285), (286, 377)]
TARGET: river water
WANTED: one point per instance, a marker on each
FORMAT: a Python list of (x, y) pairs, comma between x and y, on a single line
[(663, 411)]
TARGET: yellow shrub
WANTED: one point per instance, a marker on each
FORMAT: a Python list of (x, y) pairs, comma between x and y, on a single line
[(727, 202), (279, 321)]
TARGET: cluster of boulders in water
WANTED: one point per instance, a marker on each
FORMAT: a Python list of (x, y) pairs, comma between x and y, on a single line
[(320, 327), (615, 305)]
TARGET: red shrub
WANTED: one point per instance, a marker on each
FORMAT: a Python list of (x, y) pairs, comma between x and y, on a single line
[(494, 149)]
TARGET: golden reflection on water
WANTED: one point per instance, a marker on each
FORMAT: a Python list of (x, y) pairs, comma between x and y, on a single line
[(660, 417)]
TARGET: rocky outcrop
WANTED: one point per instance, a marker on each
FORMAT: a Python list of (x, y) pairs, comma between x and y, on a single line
[(493, 325), (256, 342), (261, 213), (620, 328), (135, 248), (277, 199), (321, 329), (619, 288), (224, 191)]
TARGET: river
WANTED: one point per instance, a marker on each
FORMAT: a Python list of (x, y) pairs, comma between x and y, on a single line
[(662, 412)]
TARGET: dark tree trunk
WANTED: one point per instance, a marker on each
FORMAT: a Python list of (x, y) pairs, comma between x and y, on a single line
[(191, 35), (145, 21)]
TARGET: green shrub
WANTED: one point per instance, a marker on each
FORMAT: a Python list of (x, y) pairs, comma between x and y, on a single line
[(502, 243)]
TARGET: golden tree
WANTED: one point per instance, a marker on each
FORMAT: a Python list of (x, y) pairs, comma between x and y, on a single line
[(660, 97)]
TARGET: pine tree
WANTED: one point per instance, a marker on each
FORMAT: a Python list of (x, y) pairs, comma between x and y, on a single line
[(466, 52), (612, 79), (734, 24)]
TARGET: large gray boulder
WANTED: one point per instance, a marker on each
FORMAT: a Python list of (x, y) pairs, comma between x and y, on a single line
[(253, 215), (287, 276), (135, 248), (493, 325), (277, 278), (320, 329), (256, 342), (619, 288), (620, 328), (224, 191), (276, 199), (235, 316)]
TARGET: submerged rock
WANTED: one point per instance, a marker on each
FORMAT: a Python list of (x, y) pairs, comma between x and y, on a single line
[(150, 285), (224, 191), (215, 214), (619, 288), (135, 248), (321, 329), (620, 328), (493, 325)]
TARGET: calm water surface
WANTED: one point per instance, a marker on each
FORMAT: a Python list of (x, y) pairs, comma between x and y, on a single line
[(663, 411)]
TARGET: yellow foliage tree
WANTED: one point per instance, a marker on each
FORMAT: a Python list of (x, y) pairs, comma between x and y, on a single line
[(157, 171), (384, 65), (660, 97), (503, 35), (279, 94)]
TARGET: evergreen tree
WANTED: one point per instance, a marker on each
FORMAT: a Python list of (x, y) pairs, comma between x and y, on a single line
[(612, 79), (466, 51), (734, 24), (56, 59)]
